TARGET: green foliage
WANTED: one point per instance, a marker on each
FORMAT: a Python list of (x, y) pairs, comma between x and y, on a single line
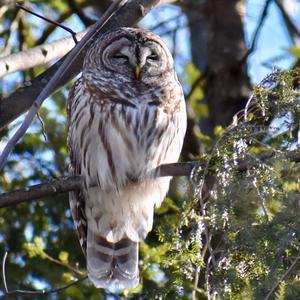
[(193, 80), (252, 216), (36, 248), (281, 292)]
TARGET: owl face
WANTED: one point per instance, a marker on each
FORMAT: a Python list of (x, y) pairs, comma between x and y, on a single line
[(133, 54)]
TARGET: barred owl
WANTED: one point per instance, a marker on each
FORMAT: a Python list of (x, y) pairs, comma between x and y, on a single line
[(126, 116)]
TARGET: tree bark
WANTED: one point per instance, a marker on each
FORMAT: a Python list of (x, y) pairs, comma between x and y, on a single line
[(218, 48)]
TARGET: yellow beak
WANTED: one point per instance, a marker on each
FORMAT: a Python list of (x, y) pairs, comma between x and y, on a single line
[(137, 72)]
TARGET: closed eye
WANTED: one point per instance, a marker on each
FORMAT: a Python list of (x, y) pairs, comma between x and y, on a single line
[(153, 57), (120, 56)]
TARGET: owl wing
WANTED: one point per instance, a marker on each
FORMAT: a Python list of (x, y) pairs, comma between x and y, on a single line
[(76, 197)]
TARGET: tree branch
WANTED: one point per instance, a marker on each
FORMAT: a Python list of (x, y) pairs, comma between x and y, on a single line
[(51, 27), (20, 100), (290, 25), (79, 12), (71, 183), (36, 56), (67, 184), (257, 31)]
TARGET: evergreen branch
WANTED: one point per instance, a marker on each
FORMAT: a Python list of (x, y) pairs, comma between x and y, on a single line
[(288, 271), (283, 246)]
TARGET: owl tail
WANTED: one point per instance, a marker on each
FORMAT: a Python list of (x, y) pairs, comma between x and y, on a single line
[(112, 265)]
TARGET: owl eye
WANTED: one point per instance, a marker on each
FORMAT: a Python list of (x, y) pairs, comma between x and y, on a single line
[(119, 55), (153, 56)]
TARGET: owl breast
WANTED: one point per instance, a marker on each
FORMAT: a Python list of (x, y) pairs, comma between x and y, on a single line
[(123, 142), (120, 144)]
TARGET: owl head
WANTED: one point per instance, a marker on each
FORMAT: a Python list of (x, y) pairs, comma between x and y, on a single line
[(131, 55)]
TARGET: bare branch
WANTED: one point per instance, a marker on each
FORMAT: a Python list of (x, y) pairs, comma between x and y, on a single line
[(49, 21), (71, 183), (257, 31), (51, 27), (36, 56), (79, 12), (290, 25), (66, 184), (9, 293), (52, 187)]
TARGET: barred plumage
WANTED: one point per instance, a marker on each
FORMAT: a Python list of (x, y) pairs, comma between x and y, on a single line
[(126, 117)]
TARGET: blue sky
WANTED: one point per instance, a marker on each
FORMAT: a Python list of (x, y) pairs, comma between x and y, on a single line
[(273, 42)]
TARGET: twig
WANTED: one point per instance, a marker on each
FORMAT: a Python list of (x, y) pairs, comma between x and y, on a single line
[(43, 126), (257, 31), (291, 26), (282, 277), (3, 271), (160, 24), (49, 21), (54, 81), (29, 292), (49, 30), (58, 262)]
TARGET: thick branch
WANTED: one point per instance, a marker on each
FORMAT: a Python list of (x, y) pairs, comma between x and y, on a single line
[(36, 56), (52, 187), (67, 184), (19, 101)]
